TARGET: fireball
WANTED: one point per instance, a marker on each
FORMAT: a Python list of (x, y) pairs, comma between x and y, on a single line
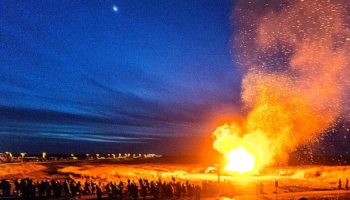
[(240, 160), (245, 153)]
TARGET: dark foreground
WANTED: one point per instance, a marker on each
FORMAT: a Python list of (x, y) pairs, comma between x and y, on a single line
[(155, 180)]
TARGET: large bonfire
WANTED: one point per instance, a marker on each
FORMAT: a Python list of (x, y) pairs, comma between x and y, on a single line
[(295, 61)]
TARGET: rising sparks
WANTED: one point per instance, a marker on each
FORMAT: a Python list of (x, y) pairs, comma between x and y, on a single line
[(295, 61)]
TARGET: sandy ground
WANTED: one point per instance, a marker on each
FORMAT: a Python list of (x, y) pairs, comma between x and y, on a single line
[(293, 182)]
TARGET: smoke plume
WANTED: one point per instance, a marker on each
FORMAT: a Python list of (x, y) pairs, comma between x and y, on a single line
[(295, 60)]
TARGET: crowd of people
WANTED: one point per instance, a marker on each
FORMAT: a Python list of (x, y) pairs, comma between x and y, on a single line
[(86, 188), (70, 188)]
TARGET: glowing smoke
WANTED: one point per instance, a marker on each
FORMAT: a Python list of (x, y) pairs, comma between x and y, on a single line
[(295, 58)]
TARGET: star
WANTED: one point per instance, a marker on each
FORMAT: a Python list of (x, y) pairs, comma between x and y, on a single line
[(115, 8)]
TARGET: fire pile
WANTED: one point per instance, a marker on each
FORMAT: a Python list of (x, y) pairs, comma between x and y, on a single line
[(295, 61)]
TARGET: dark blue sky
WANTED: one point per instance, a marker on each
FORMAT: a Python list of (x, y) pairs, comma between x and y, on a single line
[(76, 76)]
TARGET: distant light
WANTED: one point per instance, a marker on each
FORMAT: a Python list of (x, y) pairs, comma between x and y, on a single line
[(115, 8)]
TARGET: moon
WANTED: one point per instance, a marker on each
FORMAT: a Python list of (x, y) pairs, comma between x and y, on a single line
[(115, 8)]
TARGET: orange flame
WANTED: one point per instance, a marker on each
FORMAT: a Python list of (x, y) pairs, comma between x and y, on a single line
[(291, 102)]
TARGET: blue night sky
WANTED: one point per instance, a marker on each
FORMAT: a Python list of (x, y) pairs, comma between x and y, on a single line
[(81, 76)]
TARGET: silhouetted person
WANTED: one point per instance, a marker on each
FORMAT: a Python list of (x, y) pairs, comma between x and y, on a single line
[(99, 191), (66, 188), (58, 189), (197, 192), (120, 190), (134, 193), (339, 184), (6, 188), (32, 189), (93, 188), (87, 187), (17, 187), (154, 190)]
